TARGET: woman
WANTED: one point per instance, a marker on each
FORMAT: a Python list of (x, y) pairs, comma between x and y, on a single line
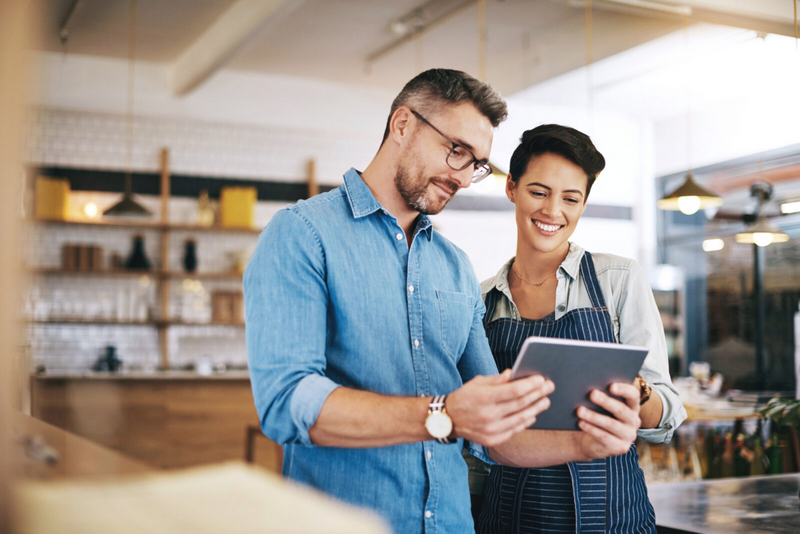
[(553, 288)]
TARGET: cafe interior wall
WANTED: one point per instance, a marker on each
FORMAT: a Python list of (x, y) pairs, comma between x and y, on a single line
[(337, 125)]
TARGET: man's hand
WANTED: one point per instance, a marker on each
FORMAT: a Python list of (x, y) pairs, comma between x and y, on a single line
[(488, 410), (605, 436)]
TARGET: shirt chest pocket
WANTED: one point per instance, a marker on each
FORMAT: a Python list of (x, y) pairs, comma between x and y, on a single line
[(456, 311)]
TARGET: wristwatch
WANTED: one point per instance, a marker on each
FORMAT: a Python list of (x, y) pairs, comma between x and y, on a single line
[(644, 390), (438, 423)]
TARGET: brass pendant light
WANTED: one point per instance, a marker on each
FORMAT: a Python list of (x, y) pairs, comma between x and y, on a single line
[(128, 207), (762, 232), (689, 198)]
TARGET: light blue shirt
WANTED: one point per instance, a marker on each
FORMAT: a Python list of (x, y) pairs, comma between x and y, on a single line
[(335, 297)]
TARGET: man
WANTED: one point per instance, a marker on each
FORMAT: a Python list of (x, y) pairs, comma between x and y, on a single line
[(368, 358)]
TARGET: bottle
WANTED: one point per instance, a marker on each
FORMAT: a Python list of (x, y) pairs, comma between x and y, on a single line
[(742, 457), (190, 256), (137, 259), (702, 453), (205, 214), (774, 453), (727, 456), (757, 466), (715, 458)]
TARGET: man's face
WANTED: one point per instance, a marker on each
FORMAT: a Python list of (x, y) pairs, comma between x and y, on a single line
[(424, 179)]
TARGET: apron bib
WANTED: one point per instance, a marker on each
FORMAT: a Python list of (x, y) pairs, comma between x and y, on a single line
[(605, 495)]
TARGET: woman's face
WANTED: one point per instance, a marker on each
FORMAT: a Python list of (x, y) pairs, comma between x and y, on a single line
[(550, 199)]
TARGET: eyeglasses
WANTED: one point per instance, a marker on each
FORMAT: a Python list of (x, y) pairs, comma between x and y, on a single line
[(459, 157)]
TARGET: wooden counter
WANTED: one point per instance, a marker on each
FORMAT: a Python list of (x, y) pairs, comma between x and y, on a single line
[(166, 420), (752, 505)]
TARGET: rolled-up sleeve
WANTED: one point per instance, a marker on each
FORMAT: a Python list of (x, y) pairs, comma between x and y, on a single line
[(286, 301), (640, 324)]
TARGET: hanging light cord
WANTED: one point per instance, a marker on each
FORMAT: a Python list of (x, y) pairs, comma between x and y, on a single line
[(482, 40), (129, 119)]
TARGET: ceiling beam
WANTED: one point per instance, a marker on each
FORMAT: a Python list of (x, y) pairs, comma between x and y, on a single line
[(770, 16), (236, 29)]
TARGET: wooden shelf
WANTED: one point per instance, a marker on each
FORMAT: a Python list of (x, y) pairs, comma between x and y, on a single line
[(148, 225), (165, 274), (160, 323), (207, 275)]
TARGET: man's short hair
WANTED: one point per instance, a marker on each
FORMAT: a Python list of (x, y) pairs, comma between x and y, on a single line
[(563, 141), (429, 90)]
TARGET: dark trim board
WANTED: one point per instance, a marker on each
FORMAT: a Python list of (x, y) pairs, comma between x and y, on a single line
[(144, 183), (180, 185)]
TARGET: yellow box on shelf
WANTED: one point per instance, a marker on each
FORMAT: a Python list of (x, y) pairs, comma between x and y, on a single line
[(51, 198), (237, 207)]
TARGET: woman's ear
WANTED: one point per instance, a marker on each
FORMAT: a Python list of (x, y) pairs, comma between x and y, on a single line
[(511, 189)]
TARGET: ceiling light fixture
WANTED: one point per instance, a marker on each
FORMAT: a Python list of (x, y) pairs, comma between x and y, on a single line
[(689, 198), (128, 207), (762, 232), (790, 207), (714, 244)]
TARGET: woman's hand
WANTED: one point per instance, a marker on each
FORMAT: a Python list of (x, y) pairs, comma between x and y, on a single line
[(603, 435)]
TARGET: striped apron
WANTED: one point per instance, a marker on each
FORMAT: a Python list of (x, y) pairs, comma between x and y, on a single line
[(606, 495)]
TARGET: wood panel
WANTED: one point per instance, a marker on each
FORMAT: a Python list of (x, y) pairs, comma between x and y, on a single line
[(164, 423)]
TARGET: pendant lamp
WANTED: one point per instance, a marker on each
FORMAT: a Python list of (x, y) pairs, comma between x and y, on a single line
[(128, 207), (762, 233), (689, 198)]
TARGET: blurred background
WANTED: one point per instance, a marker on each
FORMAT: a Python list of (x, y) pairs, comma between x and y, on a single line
[(159, 137)]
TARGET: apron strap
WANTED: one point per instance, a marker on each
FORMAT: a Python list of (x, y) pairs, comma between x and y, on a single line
[(591, 282), (491, 304)]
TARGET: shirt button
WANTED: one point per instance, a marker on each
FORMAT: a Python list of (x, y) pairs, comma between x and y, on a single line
[(561, 307), (430, 454), (411, 289), (399, 236), (416, 342), (428, 514)]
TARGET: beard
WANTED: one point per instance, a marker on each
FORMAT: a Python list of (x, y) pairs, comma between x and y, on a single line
[(415, 191)]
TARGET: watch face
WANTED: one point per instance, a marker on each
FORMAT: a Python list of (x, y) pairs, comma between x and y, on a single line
[(439, 425)]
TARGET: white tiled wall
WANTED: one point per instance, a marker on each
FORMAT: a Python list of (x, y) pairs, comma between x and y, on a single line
[(96, 140)]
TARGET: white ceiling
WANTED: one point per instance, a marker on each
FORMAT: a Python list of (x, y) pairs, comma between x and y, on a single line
[(528, 41)]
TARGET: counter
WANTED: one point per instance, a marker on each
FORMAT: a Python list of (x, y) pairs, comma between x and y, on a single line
[(170, 419), (141, 375), (753, 505)]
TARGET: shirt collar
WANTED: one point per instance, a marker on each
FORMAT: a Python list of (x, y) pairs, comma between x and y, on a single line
[(364, 203), (572, 263), (361, 199)]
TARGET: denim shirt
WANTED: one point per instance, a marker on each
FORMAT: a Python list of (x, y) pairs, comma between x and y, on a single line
[(335, 297), (633, 311)]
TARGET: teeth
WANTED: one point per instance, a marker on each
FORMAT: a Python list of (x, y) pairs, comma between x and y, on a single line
[(547, 227)]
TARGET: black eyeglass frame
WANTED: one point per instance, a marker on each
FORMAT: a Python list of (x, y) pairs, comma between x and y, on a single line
[(480, 165)]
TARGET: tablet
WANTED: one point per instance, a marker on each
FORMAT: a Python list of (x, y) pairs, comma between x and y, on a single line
[(576, 368)]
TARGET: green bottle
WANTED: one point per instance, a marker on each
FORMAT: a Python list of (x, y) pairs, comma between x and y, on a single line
[(774, 453)]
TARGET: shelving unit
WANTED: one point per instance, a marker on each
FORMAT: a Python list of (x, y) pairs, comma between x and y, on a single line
[(161, 323), (163, 273)]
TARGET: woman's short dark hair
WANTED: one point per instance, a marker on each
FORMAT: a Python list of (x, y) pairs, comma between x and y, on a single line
[(563, 141), (429, 90)]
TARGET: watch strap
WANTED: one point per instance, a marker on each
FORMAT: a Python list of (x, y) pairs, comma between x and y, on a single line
[(438, 405)]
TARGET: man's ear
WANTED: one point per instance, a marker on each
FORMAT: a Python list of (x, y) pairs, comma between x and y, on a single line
[(511, 189), (400, 125)]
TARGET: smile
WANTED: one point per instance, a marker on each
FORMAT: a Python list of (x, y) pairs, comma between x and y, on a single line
[(447, 190), (549, 228)]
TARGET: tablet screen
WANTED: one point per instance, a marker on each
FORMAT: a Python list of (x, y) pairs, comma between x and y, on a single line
[(576, 368)]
